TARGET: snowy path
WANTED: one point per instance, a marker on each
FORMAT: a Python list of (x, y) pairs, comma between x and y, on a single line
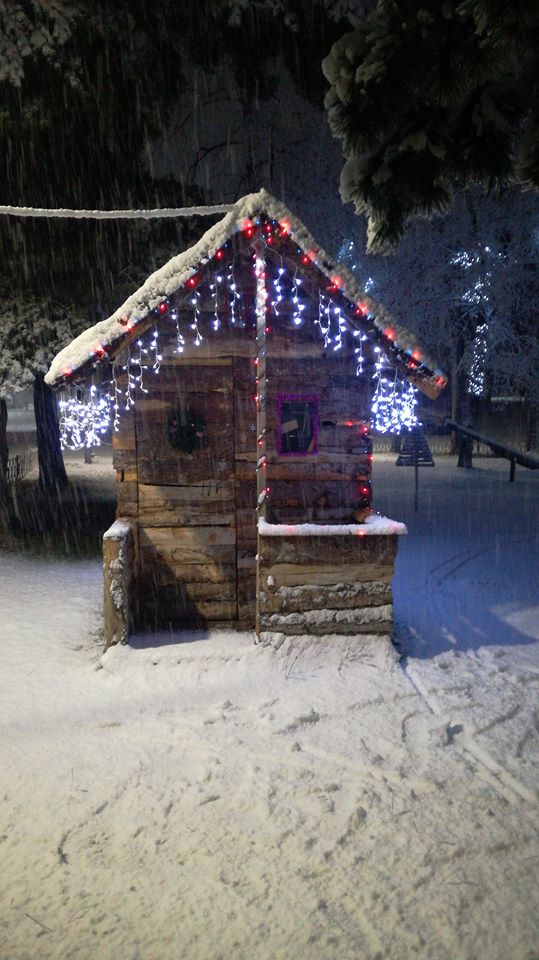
[(212, 799)]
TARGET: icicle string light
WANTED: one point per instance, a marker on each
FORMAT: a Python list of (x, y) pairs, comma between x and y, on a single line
[(324, 318), (195, 300), (358, 350), (233, 292), (214, 290), (298, 306), (83, 419), (393, 403), (180, 339), (278, 288), (115, 399)]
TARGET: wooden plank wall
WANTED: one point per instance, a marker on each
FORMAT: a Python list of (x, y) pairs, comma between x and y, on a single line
[(322, 487), (195, 555), (325, 585), (124, 460), (196, 512), (187, 502)]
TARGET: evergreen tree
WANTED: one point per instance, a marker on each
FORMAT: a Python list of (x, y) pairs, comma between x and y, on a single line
[(426, 94)]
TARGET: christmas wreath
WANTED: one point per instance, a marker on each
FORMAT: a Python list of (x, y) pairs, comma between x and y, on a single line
[(186, 431)]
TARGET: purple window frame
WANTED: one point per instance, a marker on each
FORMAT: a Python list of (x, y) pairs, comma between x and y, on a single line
[(305, 398)]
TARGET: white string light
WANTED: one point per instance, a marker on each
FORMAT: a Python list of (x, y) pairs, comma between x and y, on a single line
[(278, 290), (393, 404), (195, 300), (138, 377), (324, 318), (180, 339), (298, 306), (360, 359), (234, 295), (83, 421), (115, 399), (341, 327), (216, 323)]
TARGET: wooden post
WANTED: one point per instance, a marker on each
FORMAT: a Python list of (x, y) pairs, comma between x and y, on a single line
[(117, 582), (261, 349), (512, 469)]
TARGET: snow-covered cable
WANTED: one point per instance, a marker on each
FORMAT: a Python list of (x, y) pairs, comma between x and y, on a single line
[(116, 214)]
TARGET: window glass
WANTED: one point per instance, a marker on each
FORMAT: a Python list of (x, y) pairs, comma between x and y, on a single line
[(298, 424)]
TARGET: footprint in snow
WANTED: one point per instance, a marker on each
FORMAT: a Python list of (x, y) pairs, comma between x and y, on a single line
[(302, 721)]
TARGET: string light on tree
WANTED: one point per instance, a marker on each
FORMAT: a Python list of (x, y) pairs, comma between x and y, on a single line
[(476, 380)]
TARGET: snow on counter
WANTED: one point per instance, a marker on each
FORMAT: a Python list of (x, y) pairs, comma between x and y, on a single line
[(118, 531), (374, 525)]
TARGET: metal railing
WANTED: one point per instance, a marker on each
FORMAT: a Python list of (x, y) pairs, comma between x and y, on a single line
[(498, 449), (19, 465)]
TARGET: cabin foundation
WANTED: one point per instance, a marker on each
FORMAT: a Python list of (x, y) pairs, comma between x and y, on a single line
[(328, 584)]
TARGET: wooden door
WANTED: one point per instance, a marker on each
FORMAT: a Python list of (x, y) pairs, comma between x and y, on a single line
[(187, 495)]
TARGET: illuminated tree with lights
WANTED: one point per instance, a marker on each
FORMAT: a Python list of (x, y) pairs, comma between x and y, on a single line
[(469, 287)]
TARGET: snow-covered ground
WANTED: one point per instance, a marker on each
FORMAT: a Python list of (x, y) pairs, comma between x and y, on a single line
[(198, 797)]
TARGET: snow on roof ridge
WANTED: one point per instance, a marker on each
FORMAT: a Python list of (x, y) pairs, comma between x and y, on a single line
[(172, 275)]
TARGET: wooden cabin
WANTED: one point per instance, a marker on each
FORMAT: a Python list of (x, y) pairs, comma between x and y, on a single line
[(240, 380)]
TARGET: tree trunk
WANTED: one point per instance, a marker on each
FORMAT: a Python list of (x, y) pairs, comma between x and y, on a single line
[(465, 417), (4, 449), (532, 438), (4, 456), (52, 474), (454, 383)]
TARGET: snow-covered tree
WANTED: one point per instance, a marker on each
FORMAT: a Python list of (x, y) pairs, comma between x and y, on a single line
[(468, 284), (30, 333), (38, 28), (13, 377), (426, 95)]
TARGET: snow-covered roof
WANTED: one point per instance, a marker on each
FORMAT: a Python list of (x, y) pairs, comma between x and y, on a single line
[(96, 341)]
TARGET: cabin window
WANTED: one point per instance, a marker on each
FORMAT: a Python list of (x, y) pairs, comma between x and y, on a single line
[(297, 424)]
